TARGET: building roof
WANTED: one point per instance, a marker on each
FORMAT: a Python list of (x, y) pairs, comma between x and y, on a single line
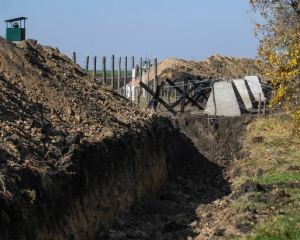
[(15, 19)]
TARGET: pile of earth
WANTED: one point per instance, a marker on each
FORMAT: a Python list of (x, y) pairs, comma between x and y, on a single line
[(215, 66), (47, 100), (50, 107)]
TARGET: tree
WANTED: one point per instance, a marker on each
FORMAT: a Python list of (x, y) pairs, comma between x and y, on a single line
[(280, 47)]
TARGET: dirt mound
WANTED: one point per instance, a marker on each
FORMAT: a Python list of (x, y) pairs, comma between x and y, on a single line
[(215, 66), (47, 101), (43, 90), (50, 109)]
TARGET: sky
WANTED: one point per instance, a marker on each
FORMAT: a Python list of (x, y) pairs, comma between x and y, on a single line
[(190, 30)]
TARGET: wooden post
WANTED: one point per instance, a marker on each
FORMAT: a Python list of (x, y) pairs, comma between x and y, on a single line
[(259, 104), (152, 87), (141, 72), (87, 62), (184, 89), (214, 99), (112, 71), (139, 97), (125, 75), (265, 107), (148, 73), (132, 62), (141, 64), (155, 74), (95, 66), (148, 80), (132, 66), (119, 74), (104, 68), (169, 94), (74, 57), (130, 95)]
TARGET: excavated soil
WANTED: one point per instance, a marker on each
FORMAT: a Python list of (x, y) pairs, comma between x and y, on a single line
[(215, 66), (79, 161)]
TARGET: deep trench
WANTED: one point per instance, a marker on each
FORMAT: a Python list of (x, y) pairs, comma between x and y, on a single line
[(144, 185)]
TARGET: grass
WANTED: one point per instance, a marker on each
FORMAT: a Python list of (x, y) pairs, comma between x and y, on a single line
[(272, 146), (278, 227), (279, 177)]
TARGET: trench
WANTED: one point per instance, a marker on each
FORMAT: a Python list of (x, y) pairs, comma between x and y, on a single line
[(196, 175), (145, 185)]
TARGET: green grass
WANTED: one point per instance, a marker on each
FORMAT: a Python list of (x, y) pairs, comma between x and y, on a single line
[(278, 228), (279, 177)]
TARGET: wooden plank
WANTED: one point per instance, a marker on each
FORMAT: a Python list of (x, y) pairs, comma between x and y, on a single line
[(149, 90), (183, 96)]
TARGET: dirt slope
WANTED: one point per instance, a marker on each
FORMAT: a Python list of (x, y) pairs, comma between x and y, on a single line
[(43, 89), (51, 114), (215, 66)]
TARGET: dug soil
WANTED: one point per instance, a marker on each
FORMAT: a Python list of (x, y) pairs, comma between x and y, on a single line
[(79, 161), (216, 66)]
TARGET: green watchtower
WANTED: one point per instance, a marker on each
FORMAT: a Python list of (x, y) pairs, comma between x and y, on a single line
[(14, 29)]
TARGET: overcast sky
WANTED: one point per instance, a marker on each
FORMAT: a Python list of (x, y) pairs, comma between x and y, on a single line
[(191, 29)]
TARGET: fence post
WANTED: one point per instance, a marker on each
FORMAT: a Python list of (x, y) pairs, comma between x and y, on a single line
[(265, 102), (169, 94), (104, 68), (125, 75), (214, 99), (87, 62), (259, 104), (139, 97), (95, 66), (155, 74), (74, 57), (141, 72), (148, 73), (132, 62), (112, 71), (148, 80), (119, 74)]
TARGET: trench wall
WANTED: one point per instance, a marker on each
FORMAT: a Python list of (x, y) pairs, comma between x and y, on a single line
[(108, 177), (111, 175)]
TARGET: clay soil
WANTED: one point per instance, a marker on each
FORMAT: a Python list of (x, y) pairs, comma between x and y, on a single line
[(48, 104)]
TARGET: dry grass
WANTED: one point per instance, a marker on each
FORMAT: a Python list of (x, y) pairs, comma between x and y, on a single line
[(271, 146), (273, 156)]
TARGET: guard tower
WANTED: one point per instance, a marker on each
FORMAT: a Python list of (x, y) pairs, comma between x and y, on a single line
[(15, 31)]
